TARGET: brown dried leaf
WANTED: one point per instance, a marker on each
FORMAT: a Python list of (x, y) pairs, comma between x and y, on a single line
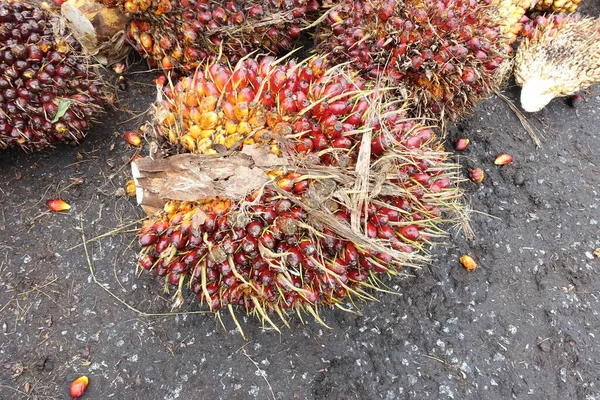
[(262, 157)]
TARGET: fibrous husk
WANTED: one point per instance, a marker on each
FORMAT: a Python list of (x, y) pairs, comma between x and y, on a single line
[(99, 29)]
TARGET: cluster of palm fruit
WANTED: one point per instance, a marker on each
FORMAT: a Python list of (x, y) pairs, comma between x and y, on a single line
[(182, 33), (48, 91), (278, 248), (542, 24), (268, 254), (557, 6), (512, 13), (304, 108), (444, 51)]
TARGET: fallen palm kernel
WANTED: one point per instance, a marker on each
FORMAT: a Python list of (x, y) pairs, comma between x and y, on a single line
[(476, 175), (78, 386), (133, 138), (461, 144), (183, 33), (468, 262), (57, 205), (503, 159), (443, 53)]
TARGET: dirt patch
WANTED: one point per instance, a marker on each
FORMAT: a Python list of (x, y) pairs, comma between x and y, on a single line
[(523, 325)]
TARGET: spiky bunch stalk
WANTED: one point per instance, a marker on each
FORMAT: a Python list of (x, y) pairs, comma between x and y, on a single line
[(304, 108), (445, 52), (182, 33), (559, 56), (49, 93)]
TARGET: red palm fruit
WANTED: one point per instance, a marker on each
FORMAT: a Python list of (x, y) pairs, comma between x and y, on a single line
[(476, 175), (148, 239), (57, 205), (385, 232), (301, 186), (461, 144), (249, 245), (146, 262), (267, 240), (78, 387), (371, 230), (254, 229), (409, 232)]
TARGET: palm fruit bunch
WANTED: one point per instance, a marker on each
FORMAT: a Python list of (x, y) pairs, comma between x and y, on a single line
[(540, 24), (512, 13), (181, 33), (444, 51), (557, 6), (48, 91), (559, 56), (299, 107), (310, 236)]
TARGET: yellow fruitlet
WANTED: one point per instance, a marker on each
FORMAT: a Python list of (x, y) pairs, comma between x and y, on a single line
[(468, 262)]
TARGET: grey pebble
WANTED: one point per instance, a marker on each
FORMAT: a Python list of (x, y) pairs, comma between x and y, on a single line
[(48, 365), (519, 178), (545, 346), (501, 191)]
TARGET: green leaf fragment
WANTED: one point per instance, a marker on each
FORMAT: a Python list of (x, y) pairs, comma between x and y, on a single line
[(63, 107)]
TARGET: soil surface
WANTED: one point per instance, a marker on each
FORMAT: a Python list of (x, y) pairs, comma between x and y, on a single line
[(524, 325)]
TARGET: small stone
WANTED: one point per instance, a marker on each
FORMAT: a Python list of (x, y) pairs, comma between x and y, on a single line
[(48, 365), (519, 178), (501, 191), (545, 346)]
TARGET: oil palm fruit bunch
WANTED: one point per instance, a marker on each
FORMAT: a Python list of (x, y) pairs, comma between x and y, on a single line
[(304, 108), (298, 243), (181, 33), (512, 13), (558, 57), (557, 6), (446, 51), (48, 91), (541, 24)]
